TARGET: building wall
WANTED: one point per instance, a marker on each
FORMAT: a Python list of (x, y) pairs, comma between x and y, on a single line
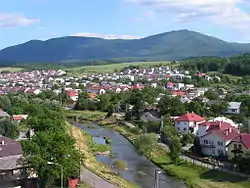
[(202, 130), (231, 146), (233, 111), (183, 127), (210, 140)]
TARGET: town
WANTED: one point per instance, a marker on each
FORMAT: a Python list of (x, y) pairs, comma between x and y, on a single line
[(211, 123)]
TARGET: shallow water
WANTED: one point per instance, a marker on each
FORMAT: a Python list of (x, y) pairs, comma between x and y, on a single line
[(139, 170)]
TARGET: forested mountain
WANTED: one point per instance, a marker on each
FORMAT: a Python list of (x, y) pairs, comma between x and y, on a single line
[(174, 45), (236, 65)]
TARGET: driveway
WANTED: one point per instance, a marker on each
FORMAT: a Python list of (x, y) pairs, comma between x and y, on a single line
[(94, 180)]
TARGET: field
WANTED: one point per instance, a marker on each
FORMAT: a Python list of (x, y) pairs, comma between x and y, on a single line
[(11, 69), (110, 67)]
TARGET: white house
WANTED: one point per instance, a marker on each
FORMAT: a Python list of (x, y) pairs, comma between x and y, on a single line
[(96, 89), (188, 123), (233, 108), (218, 135)]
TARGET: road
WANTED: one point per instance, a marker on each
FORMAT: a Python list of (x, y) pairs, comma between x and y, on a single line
[(94, 180)]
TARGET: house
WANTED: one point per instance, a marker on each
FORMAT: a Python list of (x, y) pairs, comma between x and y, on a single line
[(18, 118), (96, 89), (3, 114), (239, 144), (218, 135), (73, 95), (151, 115), (225, 119), (188, 123), (33, 91), (10, 156), (233, 108)]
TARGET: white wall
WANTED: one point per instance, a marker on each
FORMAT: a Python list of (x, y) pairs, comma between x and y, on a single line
[(183, 127), (212, 139)]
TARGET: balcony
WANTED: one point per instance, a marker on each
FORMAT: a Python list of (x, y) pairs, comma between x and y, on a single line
[(208, 145)]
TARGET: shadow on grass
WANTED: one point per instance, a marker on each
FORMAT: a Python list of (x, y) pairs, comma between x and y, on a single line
[(217, 176)]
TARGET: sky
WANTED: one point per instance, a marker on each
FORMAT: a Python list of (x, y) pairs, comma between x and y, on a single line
[(24, 20)]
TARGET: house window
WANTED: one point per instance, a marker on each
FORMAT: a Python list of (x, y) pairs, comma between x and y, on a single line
[(220, 143), (235, 146), (205, 141), (178, 128), (213, 152), (240, 147), (184, 129), (220, 152)]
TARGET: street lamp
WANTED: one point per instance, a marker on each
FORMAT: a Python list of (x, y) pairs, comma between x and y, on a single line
[(157, 172), (52, 163)]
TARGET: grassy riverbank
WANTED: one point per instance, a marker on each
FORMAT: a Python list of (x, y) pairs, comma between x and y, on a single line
[(86, 115), (83, 143), (194, 176)]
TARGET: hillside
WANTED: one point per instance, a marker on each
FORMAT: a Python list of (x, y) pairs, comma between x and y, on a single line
[(174, 45)]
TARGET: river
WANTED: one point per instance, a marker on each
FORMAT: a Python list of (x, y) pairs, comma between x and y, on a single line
[(140, 170)]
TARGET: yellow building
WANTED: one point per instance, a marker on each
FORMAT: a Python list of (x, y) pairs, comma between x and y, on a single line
[(238, 145)]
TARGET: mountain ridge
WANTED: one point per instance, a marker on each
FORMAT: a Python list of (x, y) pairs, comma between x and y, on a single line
[(173, 45)]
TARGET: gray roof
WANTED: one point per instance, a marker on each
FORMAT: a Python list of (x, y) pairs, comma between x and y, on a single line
[(234, 105), (3, 113), (10, 163)]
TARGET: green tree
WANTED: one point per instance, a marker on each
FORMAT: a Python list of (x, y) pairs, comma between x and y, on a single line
[(211, 95), (145, 142), (5, 103), (171, 105), (187, 138), (8, 128), (55, 147), (175, 149), (81, 101)]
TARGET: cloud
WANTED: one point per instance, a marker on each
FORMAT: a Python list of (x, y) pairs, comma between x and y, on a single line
[(106, 36), (8, 20), (221, 12)]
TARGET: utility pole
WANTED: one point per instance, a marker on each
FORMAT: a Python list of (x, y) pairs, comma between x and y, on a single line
[(162, 123), (157, 172)]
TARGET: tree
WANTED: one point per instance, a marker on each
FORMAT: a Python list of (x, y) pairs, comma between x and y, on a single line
[(5, 103), (145, 142), (8, 128), (175, 149), (55, 147), (211, 95), (81, 101), (197, 147), (171, 105), (187, 138)]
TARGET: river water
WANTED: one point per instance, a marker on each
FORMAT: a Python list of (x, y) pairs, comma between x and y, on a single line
[(140, 170)]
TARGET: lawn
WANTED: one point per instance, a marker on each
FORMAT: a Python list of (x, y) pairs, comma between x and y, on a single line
[(11, 69), (109, 68), (86, 115)]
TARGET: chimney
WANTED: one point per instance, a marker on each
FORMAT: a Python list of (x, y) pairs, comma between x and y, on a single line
[(230, 129), (2, 142), (220, 123)]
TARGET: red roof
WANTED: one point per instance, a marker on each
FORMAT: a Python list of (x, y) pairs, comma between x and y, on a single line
[(17, 117), (170, 84), (226, 134), (72, 93), (244, 138), (222, 129), (190, 117), (180, 93)]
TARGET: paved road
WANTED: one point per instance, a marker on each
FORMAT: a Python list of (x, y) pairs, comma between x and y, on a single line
[(94, 180)]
